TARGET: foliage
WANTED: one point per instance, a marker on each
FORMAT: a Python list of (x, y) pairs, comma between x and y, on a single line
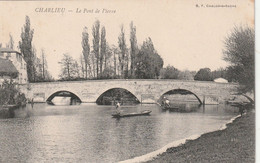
[(149, 62), (185, 75), (10, 95), (107, 73), (220, 73), (86, 49), (122, 57), (40, 68), (68, 68), (239, 52), (169, 72), (115, 52), (41, 72), (107, 70), (103, 49), (133, 49), (96, 38), (203, 74), (75, 69), (93, 63)]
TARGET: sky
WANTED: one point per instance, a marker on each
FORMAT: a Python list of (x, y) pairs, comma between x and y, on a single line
[(186, 36)]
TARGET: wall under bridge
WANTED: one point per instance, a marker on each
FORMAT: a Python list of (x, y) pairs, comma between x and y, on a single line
[(146, 91)]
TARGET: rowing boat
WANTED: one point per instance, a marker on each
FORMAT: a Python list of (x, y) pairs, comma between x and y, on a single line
[(119, 115)]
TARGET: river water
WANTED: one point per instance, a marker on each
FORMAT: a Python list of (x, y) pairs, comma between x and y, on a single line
[(88, 133)]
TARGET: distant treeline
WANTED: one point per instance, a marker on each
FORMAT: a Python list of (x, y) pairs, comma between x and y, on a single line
[(204, 74)]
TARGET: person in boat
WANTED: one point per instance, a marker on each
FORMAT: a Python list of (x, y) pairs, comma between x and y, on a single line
[(118, 108), (163, 101), (242, 109), (32, 103), (166, 102)]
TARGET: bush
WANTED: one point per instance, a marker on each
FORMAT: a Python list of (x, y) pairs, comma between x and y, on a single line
[(10, 94)]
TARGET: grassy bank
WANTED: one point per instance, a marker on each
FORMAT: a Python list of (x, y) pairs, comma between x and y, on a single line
[(234, 144)]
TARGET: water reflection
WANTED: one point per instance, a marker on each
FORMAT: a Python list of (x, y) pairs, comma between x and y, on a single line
[(63, 98), (88, 133)]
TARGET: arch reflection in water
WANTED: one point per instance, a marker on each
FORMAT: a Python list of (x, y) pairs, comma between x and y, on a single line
[(63, 98), (121, 95), (181, 100)]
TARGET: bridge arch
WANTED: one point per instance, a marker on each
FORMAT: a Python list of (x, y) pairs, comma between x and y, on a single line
[(63, 93), (180, 91), (116, 94)]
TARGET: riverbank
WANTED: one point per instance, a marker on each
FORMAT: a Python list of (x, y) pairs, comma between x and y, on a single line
[(236, 143)]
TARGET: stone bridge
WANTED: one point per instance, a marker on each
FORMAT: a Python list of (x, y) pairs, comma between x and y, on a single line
[(146, 91)]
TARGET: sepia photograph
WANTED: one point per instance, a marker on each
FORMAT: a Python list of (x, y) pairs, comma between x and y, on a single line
[(127, 81)]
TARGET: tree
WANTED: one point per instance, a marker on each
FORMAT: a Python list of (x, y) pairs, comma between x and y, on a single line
[(108, 55), (103, 46), (75, 70), (96, 38), (149, 62), (233, 73), (25, 46), (169, 72), (185, 75), (44, 64), (204, 74), (126, 72), (108, 71), (115, 52), (133, 49), (38, 71), (219, 73), (40, 68), (86, 49), (82, 66), (34, 72), (67, 67), (123, 52), (93, 63), (239, 52)]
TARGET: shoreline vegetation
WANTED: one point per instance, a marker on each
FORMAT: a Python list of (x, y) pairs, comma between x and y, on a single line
[(8, 111), (236, 143), (11, 99)]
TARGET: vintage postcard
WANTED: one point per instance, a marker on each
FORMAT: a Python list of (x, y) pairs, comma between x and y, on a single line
[(127, 81)]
